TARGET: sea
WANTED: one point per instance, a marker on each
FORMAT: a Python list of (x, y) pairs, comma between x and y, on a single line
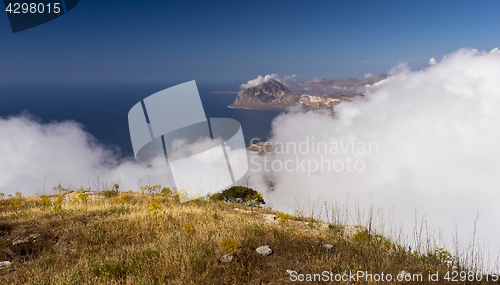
[(102, 107)]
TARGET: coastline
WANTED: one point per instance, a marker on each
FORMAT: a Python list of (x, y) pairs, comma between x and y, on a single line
[(224, 92), (268, 109)]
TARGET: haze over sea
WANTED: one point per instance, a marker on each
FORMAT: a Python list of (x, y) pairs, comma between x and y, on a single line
[(102, 107)]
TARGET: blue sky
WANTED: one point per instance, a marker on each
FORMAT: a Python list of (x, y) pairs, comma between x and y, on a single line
[(235, 41)]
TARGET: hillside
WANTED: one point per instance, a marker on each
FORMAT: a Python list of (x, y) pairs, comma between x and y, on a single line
[(138, 238)]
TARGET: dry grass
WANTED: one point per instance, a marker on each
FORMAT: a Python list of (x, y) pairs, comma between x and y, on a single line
[(158, 240)]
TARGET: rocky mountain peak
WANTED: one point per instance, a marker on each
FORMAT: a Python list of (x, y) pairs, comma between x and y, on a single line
[(269, 95)]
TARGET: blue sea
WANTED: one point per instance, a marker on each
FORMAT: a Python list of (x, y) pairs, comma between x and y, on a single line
[(102, 107)]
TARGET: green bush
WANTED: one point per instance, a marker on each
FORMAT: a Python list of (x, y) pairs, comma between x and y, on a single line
[(239, 194)]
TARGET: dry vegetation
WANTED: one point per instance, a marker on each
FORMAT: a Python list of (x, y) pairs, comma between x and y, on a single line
[(142, 238)]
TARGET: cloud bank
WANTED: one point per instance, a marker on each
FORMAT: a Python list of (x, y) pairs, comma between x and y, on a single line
[(34, 157), (437, 132)]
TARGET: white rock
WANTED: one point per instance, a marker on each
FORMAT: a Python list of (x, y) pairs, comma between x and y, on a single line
[(327, 245), (226, 258), (5, 264), (403, 273), (269, 218), (30, 238), (242, 210), (264, 250), (349, 231)]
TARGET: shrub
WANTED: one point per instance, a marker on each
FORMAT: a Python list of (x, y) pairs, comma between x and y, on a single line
[(110, 193), (445, 257), (16, 203), (58, 204), (155, 207), (165, 192), (125, 198), (80, 196), (60, 189), (282, 216), (239, 194), (155, 189), (189, 230), (46, 202), (230, 245), (361, 236)]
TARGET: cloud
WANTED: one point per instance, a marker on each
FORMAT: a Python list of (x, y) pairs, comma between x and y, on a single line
[(401, 68), (261, 80), (437, 155), (292, 77), (34, 157), (432, 61)]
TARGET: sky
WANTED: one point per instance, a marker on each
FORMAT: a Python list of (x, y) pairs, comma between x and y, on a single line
[(236, 41)]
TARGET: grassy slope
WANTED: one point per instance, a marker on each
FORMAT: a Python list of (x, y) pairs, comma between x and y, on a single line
[(103, 242)]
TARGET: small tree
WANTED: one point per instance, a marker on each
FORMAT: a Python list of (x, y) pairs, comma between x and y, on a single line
[(239, 194)]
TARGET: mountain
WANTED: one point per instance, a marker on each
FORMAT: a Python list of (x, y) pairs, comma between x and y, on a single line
[(317, 93), (269, 95), (335, 88)]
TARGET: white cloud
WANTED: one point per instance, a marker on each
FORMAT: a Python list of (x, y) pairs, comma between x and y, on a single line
[(437, 135), (33, 154), (292, 77), (259, 81), (401, 68), (432, 61)]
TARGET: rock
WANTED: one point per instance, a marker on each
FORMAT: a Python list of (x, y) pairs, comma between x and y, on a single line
[(350, 231), (327, 246), (264, 250), (226, 258), (270, 218), (403, 273), (30, 238), (242, 210), (4, 264)]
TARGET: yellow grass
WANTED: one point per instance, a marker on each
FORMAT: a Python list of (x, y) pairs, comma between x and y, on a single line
[(146, 239)]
